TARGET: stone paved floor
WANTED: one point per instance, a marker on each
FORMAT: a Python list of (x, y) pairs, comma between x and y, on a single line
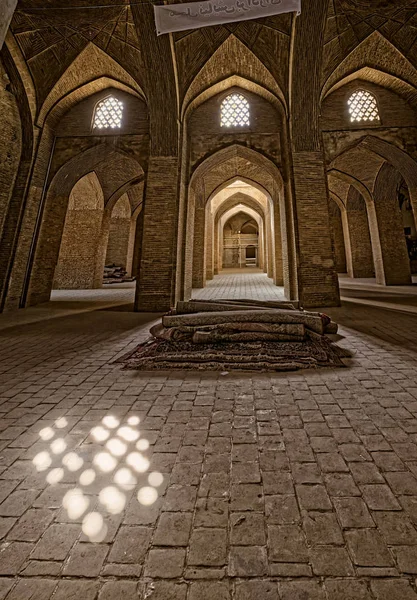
[(205, 486), (240, 283)]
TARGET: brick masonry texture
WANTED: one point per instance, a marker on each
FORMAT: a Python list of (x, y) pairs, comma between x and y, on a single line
[(274, 486), (171, 154)]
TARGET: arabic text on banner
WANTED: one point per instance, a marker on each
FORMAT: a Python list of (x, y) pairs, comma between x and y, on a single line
[(193, 15)]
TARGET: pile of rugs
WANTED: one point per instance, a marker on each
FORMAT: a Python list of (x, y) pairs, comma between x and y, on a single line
[(238, 335), (115, 274)]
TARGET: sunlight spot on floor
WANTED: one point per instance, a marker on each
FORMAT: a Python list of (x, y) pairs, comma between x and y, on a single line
[(105, 461), (75, 503), (125, 478), (42, 461), (155, 479), (47, 433), (55, 476), (111, 422), (138, 462), (94, 527), (147, 496), (100, 434), (116, 447), (72, 461), (58, 446), (87, 477), (113, 499), (142, 445), (128, 434)]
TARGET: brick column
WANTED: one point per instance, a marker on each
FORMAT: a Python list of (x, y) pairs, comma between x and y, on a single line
[(361, 262), (317, 279), (395, 260), (7, 9), (155, 289), (338, 238), (199, 277), (155, 284), (209, 245), (278, 270), (318, 282)]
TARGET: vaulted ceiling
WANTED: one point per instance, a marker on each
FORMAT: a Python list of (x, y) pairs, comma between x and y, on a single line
[(350, 22), (51, 36)]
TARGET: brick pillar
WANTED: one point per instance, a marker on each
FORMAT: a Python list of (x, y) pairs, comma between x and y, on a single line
[(278, 266), (155, 289), (10, 242), (395, 260), (6, 13), (316, 271), (317, 278), (199, 278), (361, 263), (338, 238), (209, 245), (155, 283)]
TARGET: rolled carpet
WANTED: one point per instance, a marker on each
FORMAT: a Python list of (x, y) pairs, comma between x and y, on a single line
[(278, 317), (217, 337)]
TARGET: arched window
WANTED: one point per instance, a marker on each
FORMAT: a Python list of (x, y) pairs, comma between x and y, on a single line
[(363, 107), (235, 111), (108, 114)]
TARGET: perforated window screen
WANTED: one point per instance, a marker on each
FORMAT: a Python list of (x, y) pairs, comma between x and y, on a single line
[(108, 114), (235, 111), (363, 107)]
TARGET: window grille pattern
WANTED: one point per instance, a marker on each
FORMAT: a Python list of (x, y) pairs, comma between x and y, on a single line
[(108, 114), (235, 111), (363, 107)]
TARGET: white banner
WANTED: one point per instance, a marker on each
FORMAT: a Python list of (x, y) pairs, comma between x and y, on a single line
[(192, 15)]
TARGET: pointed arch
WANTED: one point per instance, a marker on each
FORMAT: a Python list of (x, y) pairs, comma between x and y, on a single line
[(91, 67), (54, 114), (24, 71), (104, 161), (378, 61), (234, 155), (233, 64)]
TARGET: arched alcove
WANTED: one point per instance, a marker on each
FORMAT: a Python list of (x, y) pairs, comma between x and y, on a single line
[(79, 259)]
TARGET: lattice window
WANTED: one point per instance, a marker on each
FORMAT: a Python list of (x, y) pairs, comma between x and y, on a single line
[(363, 107), (235, 111), (108, 114)]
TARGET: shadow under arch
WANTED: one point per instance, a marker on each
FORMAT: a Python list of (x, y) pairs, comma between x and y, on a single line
[(372, 222), (52, 219)]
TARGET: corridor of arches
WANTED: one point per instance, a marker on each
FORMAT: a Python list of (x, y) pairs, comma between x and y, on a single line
[(104, 176)]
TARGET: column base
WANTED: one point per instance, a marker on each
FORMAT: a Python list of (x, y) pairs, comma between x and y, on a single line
[(153, 303)]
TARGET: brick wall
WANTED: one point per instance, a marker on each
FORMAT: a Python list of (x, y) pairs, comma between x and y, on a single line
[(263, 134), (337, 237)]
